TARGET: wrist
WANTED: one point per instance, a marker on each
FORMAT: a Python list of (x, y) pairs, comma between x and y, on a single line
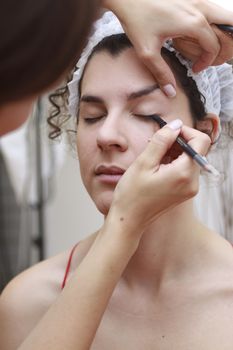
[(123, 230), (109, 4), (116, 6)]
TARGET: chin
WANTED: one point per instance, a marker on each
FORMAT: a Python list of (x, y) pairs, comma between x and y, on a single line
[(104, 212), (103, 209), (104, 205)]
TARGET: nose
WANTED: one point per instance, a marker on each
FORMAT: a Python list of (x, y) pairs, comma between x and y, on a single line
[(112, 134)]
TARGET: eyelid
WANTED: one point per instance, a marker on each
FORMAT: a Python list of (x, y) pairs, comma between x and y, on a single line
[(145, 107), (148, 116), (91, 110), (92, 119)]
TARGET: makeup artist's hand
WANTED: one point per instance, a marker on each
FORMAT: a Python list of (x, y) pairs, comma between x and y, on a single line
[(149, 188), (192, 50), (148, 23)]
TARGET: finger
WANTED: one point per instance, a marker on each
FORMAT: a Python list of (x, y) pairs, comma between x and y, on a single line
[(188, 47), (214, 14), (226, 46), (182, 175), (161, 142), (198, 140), (210, 46), (218, 12), (151, 57)]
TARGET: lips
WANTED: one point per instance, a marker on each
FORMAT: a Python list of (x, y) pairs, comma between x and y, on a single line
[(109, 175), (109, 170)]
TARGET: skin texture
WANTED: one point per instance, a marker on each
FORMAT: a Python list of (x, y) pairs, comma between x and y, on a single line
[(163, 297)]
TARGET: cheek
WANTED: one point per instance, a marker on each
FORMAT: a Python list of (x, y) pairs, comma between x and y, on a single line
[(141, 135), (85, 150), (85, 141)]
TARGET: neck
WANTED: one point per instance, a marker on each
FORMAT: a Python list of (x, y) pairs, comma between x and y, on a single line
[(170, 248)]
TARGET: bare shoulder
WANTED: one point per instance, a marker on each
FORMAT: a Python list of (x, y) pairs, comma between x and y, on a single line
[(81, 250), (44, 279), (27, 297)]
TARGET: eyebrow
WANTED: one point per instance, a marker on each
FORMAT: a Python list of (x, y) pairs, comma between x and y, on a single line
[(91, 99), (143, 92), (137, 94)]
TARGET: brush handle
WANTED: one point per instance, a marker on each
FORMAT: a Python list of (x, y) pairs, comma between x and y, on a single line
[(184, 145), (186, 148), (226, 28)]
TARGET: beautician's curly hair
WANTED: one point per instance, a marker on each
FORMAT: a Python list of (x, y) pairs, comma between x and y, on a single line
[(40, 41), (114, 45)]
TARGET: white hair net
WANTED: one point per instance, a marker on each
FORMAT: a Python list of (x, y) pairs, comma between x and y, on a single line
[(214, 83)]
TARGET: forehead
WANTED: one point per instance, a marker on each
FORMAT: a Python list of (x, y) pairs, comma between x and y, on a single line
[(122, 72)]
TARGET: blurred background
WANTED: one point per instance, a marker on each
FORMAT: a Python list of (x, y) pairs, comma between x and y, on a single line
[(44, 208)]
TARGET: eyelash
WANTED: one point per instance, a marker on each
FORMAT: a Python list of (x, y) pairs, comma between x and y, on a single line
[(149, 116), (92, 120), (142, 116)]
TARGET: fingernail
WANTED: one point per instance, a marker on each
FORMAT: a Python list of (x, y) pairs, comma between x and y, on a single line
[(175, 124), (169, 90)]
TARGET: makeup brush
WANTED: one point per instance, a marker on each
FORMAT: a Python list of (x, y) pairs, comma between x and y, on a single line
[(199, 159), (226, 28)]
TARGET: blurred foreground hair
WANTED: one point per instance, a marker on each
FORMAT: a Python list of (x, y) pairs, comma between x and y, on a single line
[(40, 41)]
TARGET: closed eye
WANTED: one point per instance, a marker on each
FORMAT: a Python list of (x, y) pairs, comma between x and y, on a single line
[(92, 120), (152, 117)]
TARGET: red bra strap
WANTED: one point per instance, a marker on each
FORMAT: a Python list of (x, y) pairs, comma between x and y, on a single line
[(68, 266)]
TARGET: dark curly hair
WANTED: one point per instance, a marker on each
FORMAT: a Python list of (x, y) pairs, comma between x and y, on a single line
[(114, 45)]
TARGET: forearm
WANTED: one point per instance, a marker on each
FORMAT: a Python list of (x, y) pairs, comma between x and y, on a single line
[(71, 323), (110, 4), (116, 6)]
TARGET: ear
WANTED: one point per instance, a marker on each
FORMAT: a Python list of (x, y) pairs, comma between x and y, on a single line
[(210, 126)]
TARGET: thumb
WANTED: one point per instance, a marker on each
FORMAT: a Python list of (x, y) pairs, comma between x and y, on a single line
[(162, 141)]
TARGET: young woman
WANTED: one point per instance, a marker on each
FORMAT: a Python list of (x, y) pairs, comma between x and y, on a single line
[(177, 287), (33, 32)]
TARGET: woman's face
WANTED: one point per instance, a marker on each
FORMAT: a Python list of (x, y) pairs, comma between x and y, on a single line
[(111, 133)]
